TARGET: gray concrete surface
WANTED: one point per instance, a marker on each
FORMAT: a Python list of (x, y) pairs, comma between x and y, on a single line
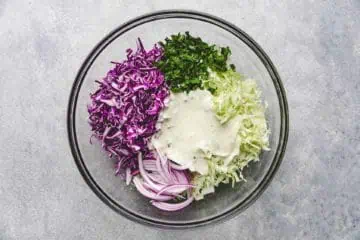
[(316, 48)]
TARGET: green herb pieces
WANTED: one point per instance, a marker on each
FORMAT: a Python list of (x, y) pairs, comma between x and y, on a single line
[(187, 59)]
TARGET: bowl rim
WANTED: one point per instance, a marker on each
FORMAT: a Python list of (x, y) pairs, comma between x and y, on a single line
[(194, 15)]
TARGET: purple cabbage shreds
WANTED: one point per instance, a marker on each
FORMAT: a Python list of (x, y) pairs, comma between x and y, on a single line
[(124, 110)]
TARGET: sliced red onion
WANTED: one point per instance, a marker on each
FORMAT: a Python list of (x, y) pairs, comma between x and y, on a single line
[(145, 175), (155, 187), (181, 177), (156, 178), (165, 193), (150, 168), (149, 162), (175, 189), (171, 173), (140, 187), (162, 182), (160, 169), (165, 167), (172, 206), (150, 165), (161, 156), (167, 172)]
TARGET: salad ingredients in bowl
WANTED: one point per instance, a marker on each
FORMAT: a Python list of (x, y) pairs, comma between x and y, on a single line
[(179, 120)]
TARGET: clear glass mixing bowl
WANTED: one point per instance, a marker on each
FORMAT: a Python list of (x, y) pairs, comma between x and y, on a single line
[(98, 170)]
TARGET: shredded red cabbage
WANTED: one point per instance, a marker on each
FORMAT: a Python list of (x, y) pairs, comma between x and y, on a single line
[(123, 116), (125, 108)]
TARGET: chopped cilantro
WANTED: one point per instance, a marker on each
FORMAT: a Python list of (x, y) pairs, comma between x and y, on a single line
[(187, 59)]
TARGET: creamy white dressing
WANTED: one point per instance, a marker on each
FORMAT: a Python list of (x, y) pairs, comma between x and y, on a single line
[(189, 128)]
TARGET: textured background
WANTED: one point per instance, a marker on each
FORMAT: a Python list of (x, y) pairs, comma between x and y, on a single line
[(316, 48)]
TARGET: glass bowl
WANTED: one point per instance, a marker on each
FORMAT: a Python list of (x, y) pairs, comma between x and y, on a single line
[(98, 170)]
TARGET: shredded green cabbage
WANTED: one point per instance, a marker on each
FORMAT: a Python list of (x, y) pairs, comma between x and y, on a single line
[(233, 95)]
